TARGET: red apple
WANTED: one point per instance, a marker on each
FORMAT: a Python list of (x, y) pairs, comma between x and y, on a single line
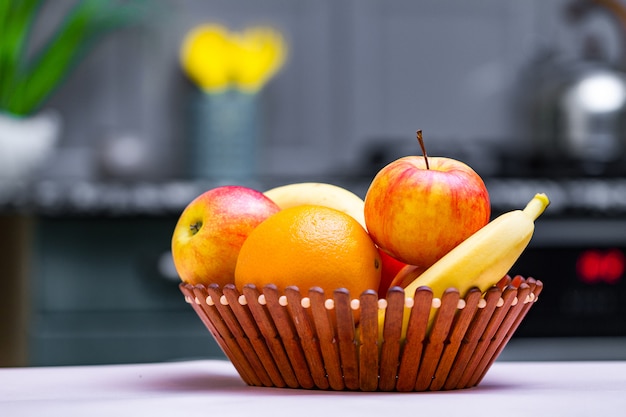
[(406, 275), (211, 230), (418, 208), (390, 268)]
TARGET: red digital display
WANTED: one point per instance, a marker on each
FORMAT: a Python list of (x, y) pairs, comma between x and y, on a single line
[(601, 266)]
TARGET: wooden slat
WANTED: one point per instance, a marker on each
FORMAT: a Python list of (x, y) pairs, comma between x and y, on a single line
[(252, 332), (236, 354), (492, 326), (206, 313), (213, 321), (270, 333), (289, 337), (535, 289), (437, 338), (504, 282), (187, 290), (391, 335), (453, 343), (346, 338), (368, 341), (498, 337), (414, 343), (239, 335), (472, 338), (327, 338), (308, 339)]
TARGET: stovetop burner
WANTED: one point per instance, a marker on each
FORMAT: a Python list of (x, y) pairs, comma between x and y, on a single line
[(582, 196), (538, 166)]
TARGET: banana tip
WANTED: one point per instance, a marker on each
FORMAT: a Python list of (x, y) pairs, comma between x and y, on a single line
[(543, 198), (537, 205)]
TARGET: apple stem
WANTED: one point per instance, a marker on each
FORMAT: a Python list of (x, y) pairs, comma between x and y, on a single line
[(421, 142)]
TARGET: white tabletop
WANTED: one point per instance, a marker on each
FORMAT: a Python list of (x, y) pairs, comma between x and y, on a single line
[(213, 388)]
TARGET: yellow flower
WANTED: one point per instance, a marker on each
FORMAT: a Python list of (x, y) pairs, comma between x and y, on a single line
[(215, 58), (205, 57), (261, 53)]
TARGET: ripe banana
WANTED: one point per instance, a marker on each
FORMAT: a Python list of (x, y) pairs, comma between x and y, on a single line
[(321, 194), (482, 259)]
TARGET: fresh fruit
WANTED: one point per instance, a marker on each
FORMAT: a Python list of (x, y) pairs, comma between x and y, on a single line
[(485, 257), (418, 208), (309, 246), (406, 275), (390, 268), (211, 230), (319, 194)]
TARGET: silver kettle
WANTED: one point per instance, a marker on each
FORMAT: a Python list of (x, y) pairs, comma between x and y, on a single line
[(580, 114), (591, 111)]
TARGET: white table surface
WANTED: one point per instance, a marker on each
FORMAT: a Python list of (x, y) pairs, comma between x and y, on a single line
[(213, 388)]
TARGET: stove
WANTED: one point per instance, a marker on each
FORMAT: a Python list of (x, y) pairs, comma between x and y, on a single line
[(578, 251)]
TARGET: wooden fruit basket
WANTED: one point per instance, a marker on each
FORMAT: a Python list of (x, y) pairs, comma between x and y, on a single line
[(332, 343)]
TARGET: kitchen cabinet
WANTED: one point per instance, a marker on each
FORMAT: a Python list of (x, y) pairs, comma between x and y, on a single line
[(86, 276), (103, 292), (14, 288)]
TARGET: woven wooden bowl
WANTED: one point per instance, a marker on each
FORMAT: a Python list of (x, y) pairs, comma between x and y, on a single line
[(333, 342)]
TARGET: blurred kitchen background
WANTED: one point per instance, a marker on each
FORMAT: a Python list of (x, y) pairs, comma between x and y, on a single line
[(530, 93)]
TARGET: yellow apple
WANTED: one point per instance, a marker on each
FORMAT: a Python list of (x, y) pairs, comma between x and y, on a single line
[(211, 229)]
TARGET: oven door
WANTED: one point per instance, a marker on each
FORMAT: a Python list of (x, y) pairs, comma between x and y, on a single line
[(582, 263)]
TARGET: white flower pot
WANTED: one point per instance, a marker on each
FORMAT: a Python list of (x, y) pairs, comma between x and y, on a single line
[(26, 143)]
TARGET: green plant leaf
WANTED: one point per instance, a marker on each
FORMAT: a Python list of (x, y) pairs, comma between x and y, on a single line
[(32, 83), (16, 19)]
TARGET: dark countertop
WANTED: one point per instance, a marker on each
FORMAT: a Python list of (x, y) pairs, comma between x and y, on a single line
[(596, 197)]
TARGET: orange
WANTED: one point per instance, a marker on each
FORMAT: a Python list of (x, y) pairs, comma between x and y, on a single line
[(309, 246)]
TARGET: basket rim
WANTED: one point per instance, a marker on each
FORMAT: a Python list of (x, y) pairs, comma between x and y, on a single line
[(508, 282)]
